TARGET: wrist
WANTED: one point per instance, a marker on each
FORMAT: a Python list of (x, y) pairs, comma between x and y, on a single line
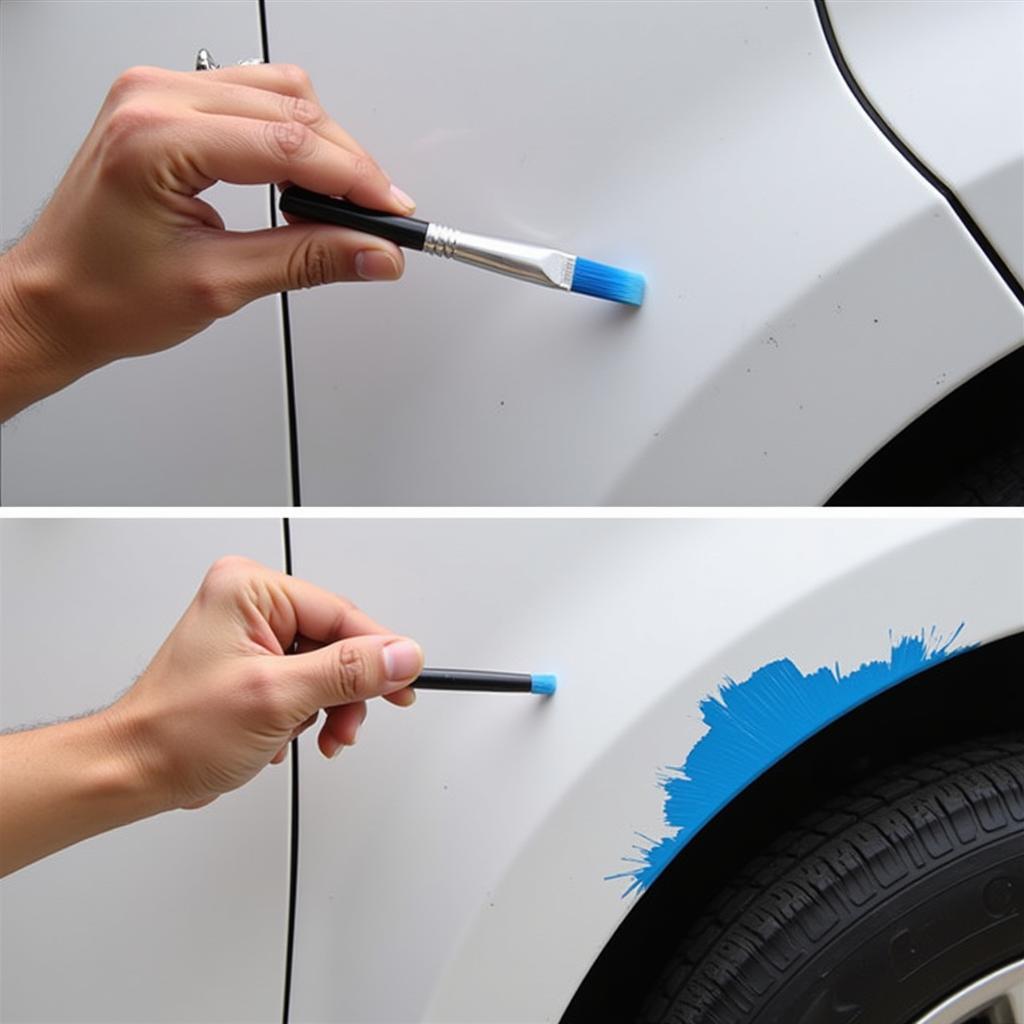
[(34, 360), (132, 770)]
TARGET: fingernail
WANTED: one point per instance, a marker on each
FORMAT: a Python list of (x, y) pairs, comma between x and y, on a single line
[(404, 198), (337, 750), (376, 265), (402, 660)]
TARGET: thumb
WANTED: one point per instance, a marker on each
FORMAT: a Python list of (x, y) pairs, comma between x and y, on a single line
[(301, 256), (350, 670)]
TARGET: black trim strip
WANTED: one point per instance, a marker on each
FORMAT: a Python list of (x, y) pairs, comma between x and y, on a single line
[(293, 853), (286, 321), (289, 382), (997, 261)]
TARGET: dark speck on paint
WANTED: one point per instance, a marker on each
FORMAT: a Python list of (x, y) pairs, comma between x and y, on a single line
[(764, 453), (839, 308), (657, 433), (502, 402), (875, 321)]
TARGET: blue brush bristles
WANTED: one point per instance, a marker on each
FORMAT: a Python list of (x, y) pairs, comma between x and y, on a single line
[(604, 282), (543, 684)]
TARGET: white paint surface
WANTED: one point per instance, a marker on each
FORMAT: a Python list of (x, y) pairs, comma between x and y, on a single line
[(474, 831), (809, 294), (178, 918), (948, 76), (201, 424)]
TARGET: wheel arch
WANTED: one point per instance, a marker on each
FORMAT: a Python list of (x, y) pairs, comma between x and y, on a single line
[(929, 462), (895, 723)]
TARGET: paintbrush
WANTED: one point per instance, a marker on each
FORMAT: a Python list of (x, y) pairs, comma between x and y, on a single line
[(492, 682), (534, 263)]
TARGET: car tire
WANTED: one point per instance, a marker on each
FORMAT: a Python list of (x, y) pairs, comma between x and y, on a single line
[(892, 897), (993, 478)]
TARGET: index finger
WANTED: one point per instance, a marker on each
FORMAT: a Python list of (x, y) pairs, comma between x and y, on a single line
[(325, 617), (288, 79), (245, 151), (290, 608), (277, 81)]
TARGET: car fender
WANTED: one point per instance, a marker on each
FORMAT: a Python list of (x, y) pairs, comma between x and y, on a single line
[(471, 846)]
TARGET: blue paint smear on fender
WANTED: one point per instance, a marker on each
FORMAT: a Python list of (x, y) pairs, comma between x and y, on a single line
[(754, 723)]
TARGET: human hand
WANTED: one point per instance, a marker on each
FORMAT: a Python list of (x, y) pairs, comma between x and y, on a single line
[(221, 700), (127, 260)]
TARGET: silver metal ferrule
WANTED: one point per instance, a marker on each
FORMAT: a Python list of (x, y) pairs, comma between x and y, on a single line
[(528, 262)]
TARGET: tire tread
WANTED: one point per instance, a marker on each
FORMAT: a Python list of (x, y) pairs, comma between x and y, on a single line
[(908, 818)]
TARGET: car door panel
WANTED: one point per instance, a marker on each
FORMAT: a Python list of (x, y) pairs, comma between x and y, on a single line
[(204, 423), (180, 917)]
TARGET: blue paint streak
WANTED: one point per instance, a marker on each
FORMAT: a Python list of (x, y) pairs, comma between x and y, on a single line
[(754, 723)]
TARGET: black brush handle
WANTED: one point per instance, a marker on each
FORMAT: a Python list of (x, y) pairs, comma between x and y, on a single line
[(405, 231), (466, 679)]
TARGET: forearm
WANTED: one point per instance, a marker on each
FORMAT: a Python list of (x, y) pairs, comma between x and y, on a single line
[(32, 363), (63, 783)]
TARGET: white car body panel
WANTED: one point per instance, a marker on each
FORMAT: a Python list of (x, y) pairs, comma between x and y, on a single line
[(949, 79), (452, 866), (181, 917), (809, 293), (202, 424)]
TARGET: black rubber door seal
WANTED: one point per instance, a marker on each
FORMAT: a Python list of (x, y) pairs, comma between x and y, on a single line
[(958, 208)]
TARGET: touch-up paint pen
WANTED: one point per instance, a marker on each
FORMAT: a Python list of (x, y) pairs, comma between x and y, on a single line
[(491, 682), (533, 263)]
